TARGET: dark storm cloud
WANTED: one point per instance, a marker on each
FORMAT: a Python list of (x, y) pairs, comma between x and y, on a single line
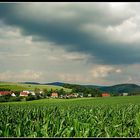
[(66, 31)]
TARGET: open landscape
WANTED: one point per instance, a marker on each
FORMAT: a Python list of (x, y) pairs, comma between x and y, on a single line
[(87, 116), (70, 70)]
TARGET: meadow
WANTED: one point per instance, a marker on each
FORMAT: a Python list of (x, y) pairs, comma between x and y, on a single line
[(81, 117), (19, 87)]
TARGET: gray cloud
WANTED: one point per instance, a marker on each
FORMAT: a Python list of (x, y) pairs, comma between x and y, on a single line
[(54, 25)]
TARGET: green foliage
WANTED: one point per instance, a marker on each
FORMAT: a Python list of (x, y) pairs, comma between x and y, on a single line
[(37, 90), (61, 92), (95, 92), (84, 117), (31, 97), (20, 87), (4, 89)]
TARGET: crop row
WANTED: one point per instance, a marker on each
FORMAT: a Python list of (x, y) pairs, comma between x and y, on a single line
[(69, 121)]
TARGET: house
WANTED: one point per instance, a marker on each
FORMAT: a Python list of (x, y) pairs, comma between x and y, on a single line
[(13, 95), (125, 94), (72, 95), (32, 92), (54, 95), (24, 93), (105, 95), (89, 95), (2, 93)]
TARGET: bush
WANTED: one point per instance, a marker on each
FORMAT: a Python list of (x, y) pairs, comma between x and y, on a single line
[(11, 99), (2, 99), (31, 97)]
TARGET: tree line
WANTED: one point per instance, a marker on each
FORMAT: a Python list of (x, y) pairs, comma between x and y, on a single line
[(95, 92)]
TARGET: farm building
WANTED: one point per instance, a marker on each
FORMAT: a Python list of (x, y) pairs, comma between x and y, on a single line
[(125, 94), (24, 93), (13, 95), (2, 93), (105, 95), (54, 95)]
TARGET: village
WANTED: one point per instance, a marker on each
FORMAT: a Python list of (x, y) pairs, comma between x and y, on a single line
[(41, 94), (26, 93)]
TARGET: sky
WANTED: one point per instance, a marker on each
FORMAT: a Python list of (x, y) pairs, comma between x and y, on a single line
[(94, 43)]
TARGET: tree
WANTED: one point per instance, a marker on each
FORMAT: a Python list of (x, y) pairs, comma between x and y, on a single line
[(17, 93), (46, 92), (37, 90), (62, 92), (4, 89), (31, 97), (49, 92)]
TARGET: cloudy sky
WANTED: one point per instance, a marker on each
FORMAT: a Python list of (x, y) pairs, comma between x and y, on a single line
[(85, 43)]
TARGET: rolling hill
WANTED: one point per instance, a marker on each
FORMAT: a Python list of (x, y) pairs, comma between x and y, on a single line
[(19, 86), (62, 84), (119, 88), (55, 84)]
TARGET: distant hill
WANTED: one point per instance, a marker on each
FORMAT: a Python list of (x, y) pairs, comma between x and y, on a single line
[(120, 88), (62, 84), (33, 83), (55, 84)]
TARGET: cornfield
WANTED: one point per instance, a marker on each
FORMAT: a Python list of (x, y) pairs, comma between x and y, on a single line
[(71, 118)]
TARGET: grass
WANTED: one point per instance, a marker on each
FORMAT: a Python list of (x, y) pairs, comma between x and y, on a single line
[(81, 117), (6, 83), (49, 87), (92, 101), (17, 86)]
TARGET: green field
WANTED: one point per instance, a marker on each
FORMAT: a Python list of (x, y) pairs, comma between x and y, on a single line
[(20, 87), (81, 117)]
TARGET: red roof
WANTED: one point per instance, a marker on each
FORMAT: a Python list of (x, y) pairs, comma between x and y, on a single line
[(54, 94), (23, 93), (105, 94), (5, 92)]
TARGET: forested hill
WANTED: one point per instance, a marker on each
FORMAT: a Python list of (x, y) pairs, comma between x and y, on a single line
[(119, 88)]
